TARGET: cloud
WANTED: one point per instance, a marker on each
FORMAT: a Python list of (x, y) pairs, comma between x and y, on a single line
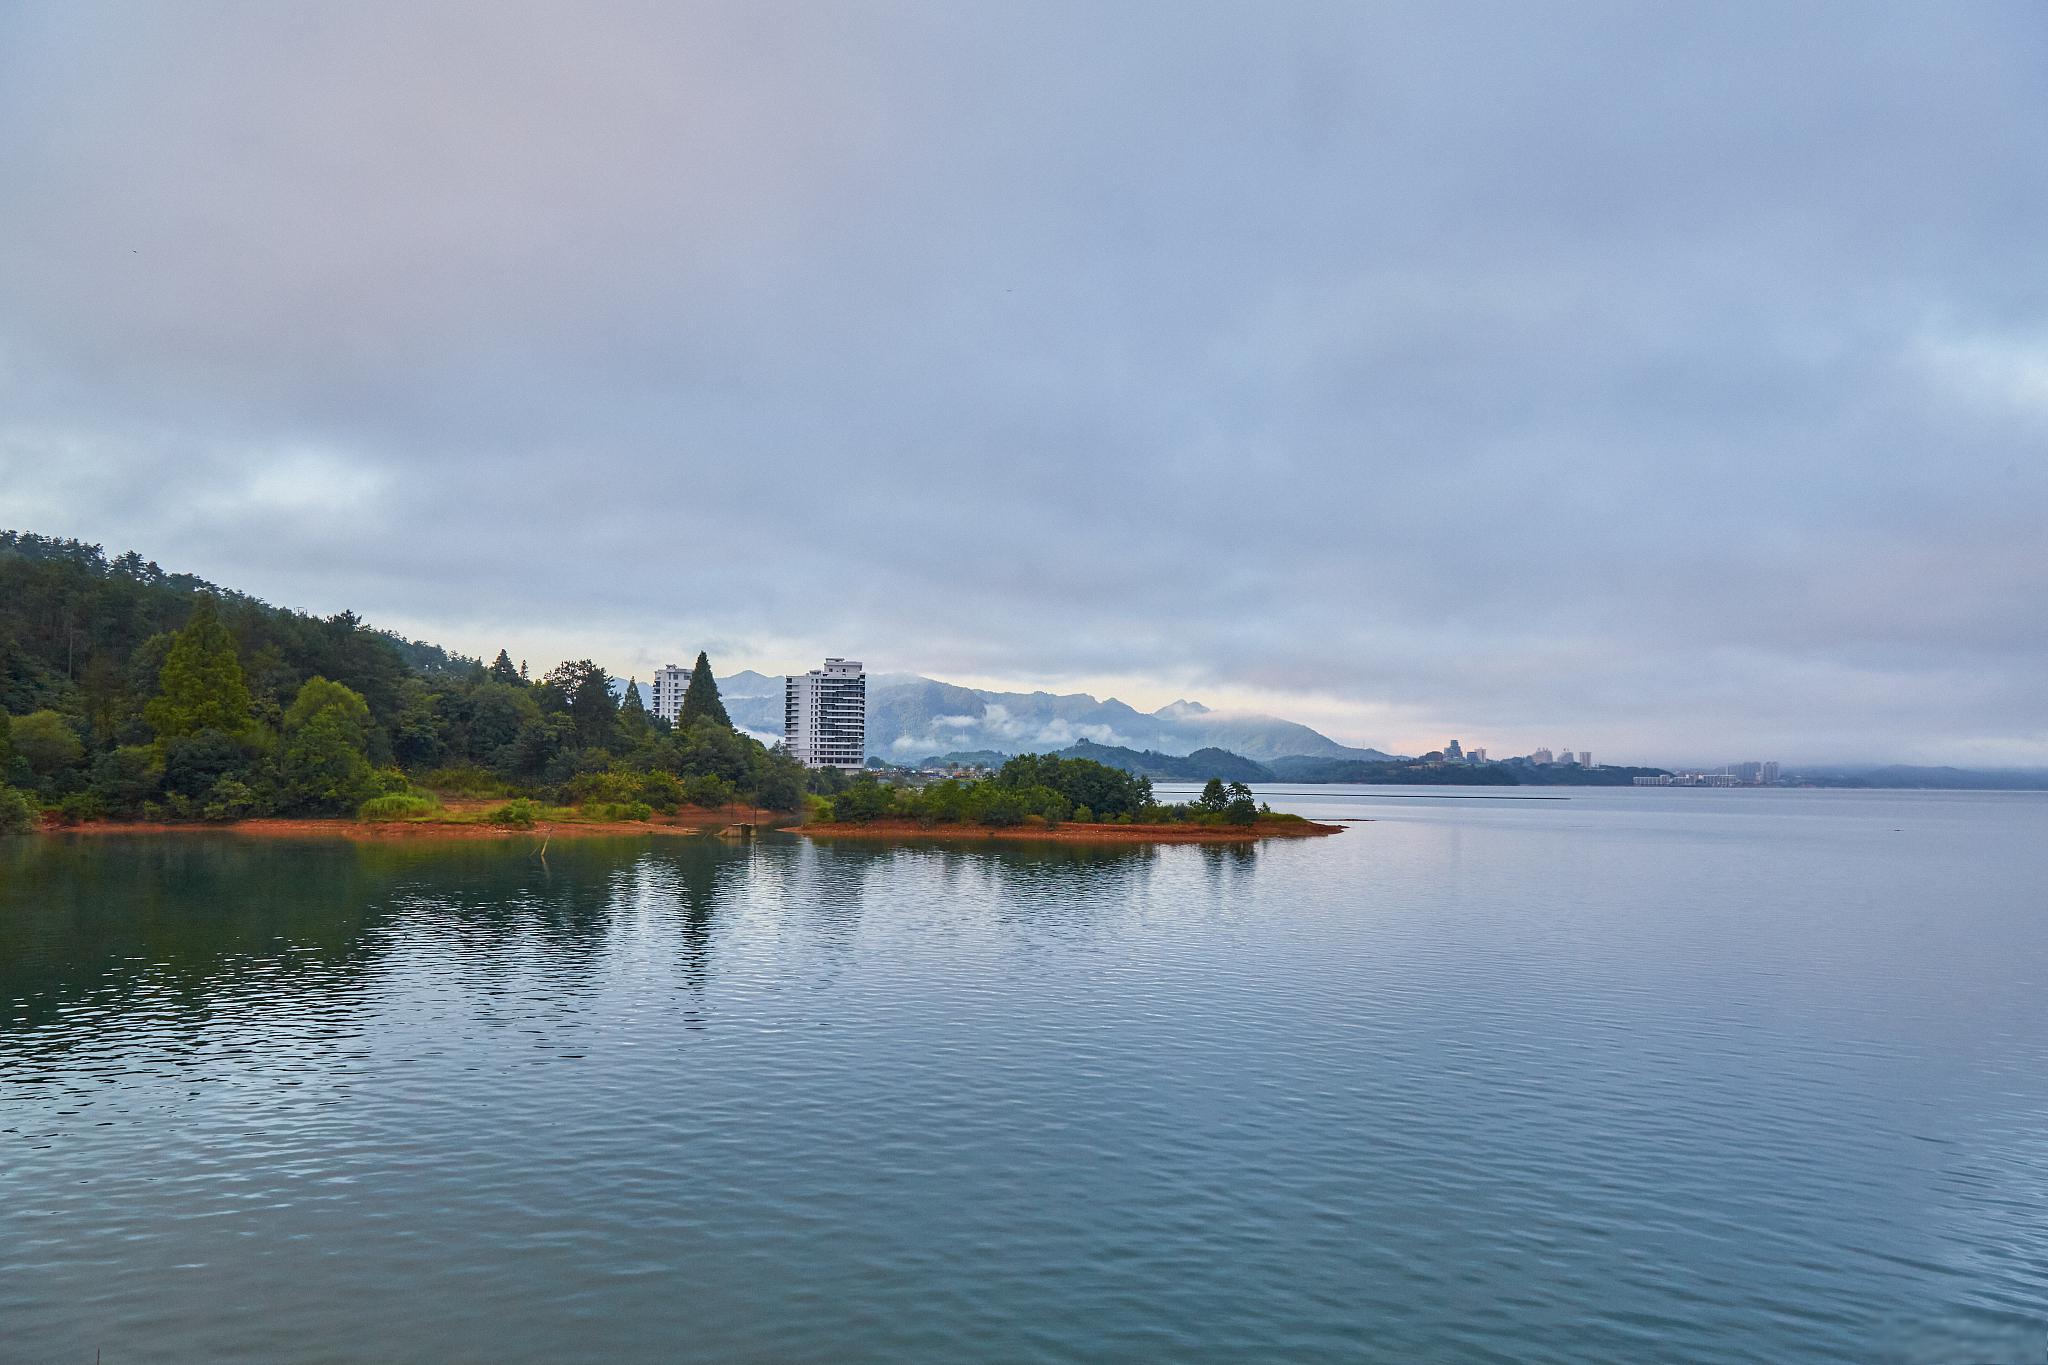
[(1672, 378)]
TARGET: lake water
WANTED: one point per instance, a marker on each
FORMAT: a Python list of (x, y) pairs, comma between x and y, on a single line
[(1635, 1076)]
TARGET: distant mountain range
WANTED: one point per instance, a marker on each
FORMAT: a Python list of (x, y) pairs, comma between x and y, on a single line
[(911, 718)]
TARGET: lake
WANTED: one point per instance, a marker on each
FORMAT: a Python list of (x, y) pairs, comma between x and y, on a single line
[(1636, 1075)]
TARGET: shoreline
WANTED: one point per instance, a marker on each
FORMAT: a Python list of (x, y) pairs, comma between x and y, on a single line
[(693, 824), (738, 821), (1069, 833)]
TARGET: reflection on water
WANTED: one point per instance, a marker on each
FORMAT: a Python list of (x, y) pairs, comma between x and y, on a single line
[(1619, 1078)]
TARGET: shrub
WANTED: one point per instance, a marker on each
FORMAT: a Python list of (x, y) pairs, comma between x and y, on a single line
[(709, 790), (17, 812), (231, 799), (516, 814), (47, 742), (79, 806), (1083, 816), (127, 779), (389, 782), (463, 780), (396, 806), (618, 810)]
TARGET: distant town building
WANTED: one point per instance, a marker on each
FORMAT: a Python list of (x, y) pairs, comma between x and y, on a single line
[(1475, 755), (666, 701), (1586, 758), (1542, 757), (1771, 771), (825, 715), (1452, 752)]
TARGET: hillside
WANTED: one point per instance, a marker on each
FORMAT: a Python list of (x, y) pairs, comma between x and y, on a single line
[(128, 691)]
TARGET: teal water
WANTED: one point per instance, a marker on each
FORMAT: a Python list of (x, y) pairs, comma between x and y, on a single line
[(1641, 1075)]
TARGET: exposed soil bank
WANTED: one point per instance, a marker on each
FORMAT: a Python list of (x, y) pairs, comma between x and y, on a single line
[(694, 824), (1077, 834)]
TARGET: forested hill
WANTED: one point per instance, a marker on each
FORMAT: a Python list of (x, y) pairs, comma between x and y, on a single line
[(72, 620), (129, 691)]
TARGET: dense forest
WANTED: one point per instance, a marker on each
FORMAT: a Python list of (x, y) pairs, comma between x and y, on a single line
[(129, 692)]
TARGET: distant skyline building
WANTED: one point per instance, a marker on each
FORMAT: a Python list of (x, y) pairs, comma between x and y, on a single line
[(825, 715), (665, 697), (1453, 752), (1542, 757)]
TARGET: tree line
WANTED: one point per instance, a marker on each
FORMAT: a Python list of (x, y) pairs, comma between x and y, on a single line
[(128, 692), (1043, 789)]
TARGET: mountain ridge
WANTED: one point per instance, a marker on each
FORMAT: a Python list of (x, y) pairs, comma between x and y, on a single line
[(911, 717)]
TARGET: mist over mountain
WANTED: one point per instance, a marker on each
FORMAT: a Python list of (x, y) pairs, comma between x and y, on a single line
[(911, 717)]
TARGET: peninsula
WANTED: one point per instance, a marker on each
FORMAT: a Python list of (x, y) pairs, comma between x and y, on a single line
[(132, 699)]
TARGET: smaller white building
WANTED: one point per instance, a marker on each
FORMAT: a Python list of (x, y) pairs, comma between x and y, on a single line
[(666, 698)]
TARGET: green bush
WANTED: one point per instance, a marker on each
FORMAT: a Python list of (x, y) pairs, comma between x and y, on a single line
[(78, 807), (17, 812), (709, 790), (396, 806), (463, 780), (231, 799), (516, 814), (618, 810)]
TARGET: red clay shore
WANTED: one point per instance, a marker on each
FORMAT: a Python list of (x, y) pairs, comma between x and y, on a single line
[(698, 824), (694, 824), (1076, 834)]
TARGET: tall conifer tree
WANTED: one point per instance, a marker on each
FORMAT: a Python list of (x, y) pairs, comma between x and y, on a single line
[(700, 698), (200, 685)]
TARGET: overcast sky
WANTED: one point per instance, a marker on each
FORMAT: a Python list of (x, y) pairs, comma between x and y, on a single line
[(1665, 380)]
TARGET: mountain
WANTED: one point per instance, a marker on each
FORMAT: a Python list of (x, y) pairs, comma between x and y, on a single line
[(1199, 766), (1921, 778), (748, 683), (911, 717)]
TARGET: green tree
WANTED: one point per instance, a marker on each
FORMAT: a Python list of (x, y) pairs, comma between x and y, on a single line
[(635, 725), (325, 765), (1241, 809), (1215, 798), (700, 698), (200, 687), (503, 671), (127, 777), (17, 812), (584, 690), (46, 742)]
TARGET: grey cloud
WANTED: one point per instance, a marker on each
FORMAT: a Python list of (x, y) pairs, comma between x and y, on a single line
[(1674, 376)]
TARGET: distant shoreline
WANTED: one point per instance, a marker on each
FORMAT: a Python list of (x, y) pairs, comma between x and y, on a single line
[(1073, 833)]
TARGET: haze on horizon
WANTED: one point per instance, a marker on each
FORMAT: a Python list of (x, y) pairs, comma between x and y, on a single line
[(1669, 381)]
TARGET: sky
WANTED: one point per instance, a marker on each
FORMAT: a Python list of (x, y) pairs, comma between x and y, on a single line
[(1664, 380)]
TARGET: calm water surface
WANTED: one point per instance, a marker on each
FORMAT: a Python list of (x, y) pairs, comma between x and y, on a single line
[(1639, 1075)]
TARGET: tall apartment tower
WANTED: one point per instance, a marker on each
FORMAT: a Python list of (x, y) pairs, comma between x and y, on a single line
[(665, 696), (825, 715)]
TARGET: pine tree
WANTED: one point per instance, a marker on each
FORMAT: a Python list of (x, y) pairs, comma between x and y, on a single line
[(634, 722), (200, 686), (503, 671), (700, 698)]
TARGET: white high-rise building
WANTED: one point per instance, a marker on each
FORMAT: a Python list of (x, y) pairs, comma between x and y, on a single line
[(666, 698), (1542, 757), (825, 715)]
